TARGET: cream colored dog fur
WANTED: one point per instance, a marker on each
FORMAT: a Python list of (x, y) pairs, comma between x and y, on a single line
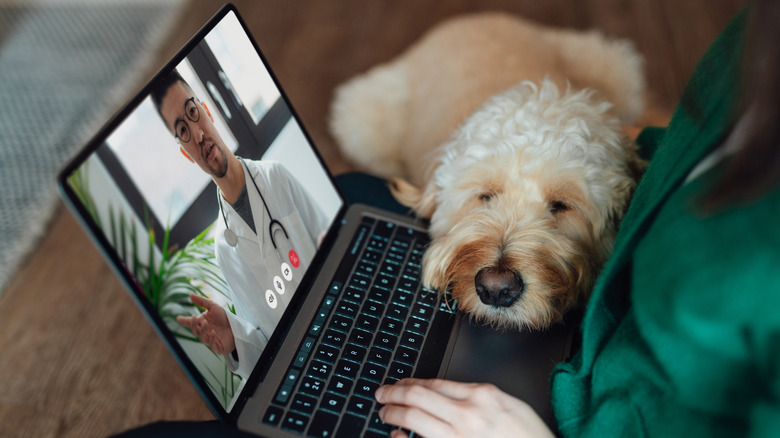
[(507, 136)]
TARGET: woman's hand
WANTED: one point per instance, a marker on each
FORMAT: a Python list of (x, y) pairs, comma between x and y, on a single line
[(443, 408)]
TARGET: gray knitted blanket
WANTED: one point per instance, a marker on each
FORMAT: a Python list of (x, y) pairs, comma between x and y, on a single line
[(65, 67)]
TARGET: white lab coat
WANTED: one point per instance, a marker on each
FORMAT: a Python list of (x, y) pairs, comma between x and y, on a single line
[(252, 265)]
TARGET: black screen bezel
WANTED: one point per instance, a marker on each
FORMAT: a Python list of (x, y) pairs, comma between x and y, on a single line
[(137, 293)]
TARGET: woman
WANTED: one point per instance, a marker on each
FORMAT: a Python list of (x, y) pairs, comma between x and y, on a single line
[(682, 333)]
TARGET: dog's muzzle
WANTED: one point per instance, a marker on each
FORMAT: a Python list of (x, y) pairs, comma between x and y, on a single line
[(498, 287)]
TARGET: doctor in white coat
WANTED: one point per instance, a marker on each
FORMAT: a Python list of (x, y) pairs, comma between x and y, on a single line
[(265, 266), (266, 235)]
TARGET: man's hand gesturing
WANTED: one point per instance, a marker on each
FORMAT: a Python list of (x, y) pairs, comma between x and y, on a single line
[(211, 327)]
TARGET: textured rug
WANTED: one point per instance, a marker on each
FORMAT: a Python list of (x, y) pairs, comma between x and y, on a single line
[(65, 67)]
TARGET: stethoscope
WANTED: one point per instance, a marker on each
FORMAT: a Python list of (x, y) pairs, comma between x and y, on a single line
[(230, 236)]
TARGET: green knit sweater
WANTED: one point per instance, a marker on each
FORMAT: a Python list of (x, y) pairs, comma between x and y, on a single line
[(682, 334)]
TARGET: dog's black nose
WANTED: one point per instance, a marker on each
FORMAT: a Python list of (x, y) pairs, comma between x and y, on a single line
[(498, 286)]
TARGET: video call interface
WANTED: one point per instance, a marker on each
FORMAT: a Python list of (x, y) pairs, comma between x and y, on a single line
[(175, 233)]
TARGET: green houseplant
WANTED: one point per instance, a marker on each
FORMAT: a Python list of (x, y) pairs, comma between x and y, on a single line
[(168, 276)]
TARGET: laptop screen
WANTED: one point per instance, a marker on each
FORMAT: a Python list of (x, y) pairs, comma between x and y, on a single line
[(207, 186)]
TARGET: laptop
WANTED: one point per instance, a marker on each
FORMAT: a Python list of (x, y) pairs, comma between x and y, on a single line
[(357, 316), (327, 323)]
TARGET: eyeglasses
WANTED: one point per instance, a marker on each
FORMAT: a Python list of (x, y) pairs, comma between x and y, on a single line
[(182, 128)]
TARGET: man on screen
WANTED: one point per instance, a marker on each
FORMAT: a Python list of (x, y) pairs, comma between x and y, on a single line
[(265, 237)]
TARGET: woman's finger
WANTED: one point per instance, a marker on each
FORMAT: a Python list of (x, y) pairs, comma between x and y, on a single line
[(449, 388), (422, 397), (413, 418)]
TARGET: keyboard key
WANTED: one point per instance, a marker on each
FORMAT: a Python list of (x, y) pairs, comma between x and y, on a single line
[(403, 298), (415, 256), (319, 369), (379, 295), (283, 395), (399, 371), (377, 243), (422, 312), (360, 406), (340, 323), (373, 372), (315, 329), (340, 385), (354, 353), (421, 245), (334, 338), (295, 422), (311, 386), (418, 326), (292, 377), (347, 369), (412, 340), (379, 356), (406, 355), (391, 326), (448, 305), (326, 354), (351, 426), (303, 404), (333, 403), (371, 257), (397, 311), (378, 425), (371, 308), (354, 295), (273, 416), (308, 344), (360, 337), (359, 284), (395, 256), (322, 316), (402, 243), (366, 269), (300, 359), (323, 424), (328, 302), (366, 388), (347, 309), (367, 323), (335, 287), (386, 341), (390, 268), (412, 271), (427, 297), (385, 282)]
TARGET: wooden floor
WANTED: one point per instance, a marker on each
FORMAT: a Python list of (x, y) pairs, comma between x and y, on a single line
[(76, 357)]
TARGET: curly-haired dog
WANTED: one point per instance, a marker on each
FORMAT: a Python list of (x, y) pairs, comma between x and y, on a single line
[(524, 198)]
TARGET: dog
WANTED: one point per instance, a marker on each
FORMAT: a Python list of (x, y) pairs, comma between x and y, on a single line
[(507, 136)]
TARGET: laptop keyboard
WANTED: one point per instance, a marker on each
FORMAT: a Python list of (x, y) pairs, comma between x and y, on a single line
[(372, 328)]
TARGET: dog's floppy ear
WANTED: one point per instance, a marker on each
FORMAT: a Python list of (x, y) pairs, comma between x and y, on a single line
[(423, 202)]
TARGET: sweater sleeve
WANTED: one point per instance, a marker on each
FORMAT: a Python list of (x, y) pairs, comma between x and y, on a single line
[(648, 141)]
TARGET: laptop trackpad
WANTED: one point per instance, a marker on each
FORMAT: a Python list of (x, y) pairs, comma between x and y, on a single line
[(519, 363)]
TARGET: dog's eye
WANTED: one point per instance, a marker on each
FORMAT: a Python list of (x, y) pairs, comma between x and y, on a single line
[(485, 197), (558, 207)]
